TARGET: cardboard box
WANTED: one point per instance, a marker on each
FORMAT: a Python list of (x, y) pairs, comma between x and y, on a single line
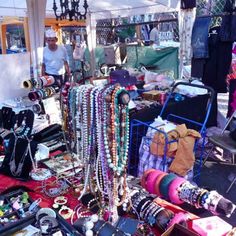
[(155, 95), (179, 230)]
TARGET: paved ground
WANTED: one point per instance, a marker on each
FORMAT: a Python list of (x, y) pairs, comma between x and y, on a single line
[(214, 176)]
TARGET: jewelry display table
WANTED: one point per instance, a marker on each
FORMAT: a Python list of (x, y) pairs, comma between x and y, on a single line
[(34, 189)]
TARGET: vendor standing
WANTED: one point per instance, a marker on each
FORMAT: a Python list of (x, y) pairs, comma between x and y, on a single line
[(155, 36), (55, 59)]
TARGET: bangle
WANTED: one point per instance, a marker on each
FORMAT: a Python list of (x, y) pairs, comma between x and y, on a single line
[(199, 202), (157, 183), (144, 177), (66, 212), (150, 181), (143, 204), (174, 189), (165, 184)]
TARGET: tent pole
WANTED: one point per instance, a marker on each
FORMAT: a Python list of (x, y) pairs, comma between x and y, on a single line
[(36, 15), (91, 38)]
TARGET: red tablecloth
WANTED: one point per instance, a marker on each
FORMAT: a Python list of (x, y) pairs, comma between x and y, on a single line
[(36, 193)]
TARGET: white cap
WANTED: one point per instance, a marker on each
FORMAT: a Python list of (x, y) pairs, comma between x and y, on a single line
[(51, 34)]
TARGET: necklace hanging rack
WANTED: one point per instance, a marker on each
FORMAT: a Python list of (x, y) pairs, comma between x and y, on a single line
[(100, 127)]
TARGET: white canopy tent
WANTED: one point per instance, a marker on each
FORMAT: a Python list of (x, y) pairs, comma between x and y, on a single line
[(100, 9), (97, 10)]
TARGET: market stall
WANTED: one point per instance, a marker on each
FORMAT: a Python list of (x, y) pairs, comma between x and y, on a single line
[(72, 178)]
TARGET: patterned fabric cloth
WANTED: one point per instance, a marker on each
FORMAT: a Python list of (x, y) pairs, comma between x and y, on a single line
[(148, 161)]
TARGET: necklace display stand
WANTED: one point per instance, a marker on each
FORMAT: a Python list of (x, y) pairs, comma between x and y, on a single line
[(20, 151), (7, 115), (18, 158)]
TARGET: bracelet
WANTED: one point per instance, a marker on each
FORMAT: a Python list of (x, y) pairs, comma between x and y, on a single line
[(138, 200), (185, 191), (165, 184), (200, 198), (66, 212), (144, 177), (90, 201), (150, 181), (60, 200), (214, 200), (147, 201), (157, 183), (148, 210), (173, 190), (158, 210)]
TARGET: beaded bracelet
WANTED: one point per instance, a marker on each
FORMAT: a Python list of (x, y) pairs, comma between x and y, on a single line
[(201, 198), (148, 210)]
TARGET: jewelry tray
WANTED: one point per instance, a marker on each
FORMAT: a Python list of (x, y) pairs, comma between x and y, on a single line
[(22, 222), (7, 227)]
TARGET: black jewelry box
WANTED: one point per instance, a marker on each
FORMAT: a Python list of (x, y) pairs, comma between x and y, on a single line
[(12, 218), (23, 221)]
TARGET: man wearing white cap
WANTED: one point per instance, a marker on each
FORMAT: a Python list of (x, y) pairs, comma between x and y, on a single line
[(55, 58)]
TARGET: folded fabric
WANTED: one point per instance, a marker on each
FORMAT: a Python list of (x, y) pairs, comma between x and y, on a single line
[(181, 148)]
